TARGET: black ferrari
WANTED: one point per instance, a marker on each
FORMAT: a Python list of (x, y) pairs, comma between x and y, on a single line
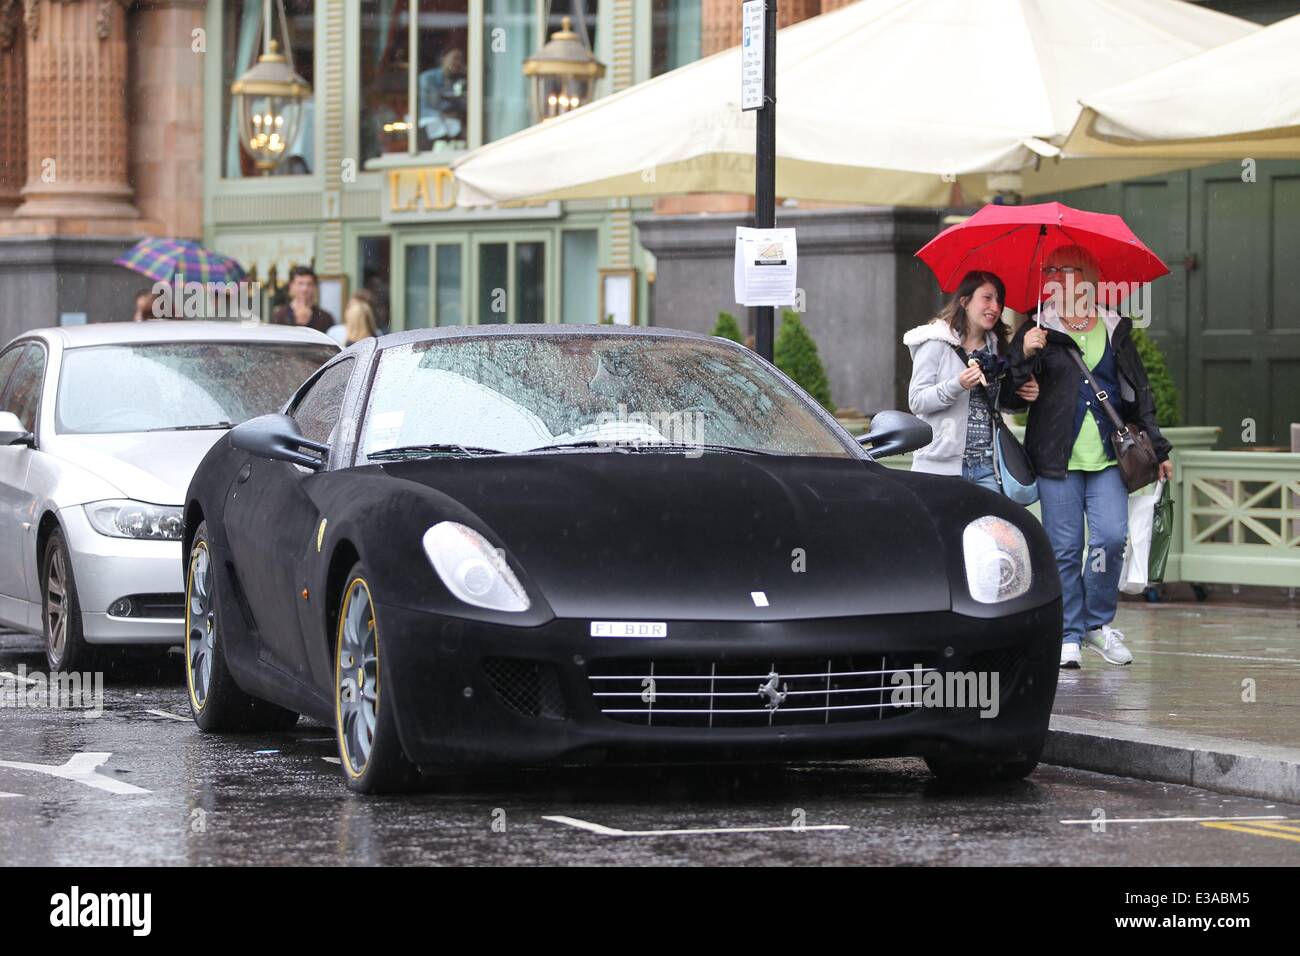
[(557, 544)]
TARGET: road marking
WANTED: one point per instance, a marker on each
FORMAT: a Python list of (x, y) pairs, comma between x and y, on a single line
[(1164, 819), (1278, 831), (1227, 657), (614, 831), (163, 713), (80, 768), (3, 795), (336, 760), (14, 677)]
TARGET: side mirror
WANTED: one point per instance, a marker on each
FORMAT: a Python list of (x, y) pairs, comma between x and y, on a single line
[(277, 437), (895, 433), (12, 431)]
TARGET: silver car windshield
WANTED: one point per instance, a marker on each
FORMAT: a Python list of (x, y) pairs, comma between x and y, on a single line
[(512, 394), (174, 385)]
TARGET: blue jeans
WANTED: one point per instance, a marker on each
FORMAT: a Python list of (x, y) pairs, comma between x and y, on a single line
[(1089, 598), (981, 472)]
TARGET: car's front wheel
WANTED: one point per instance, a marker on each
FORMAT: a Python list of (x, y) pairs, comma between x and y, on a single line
[(971, 769), (216, 702), (370, 753), (66, 649)]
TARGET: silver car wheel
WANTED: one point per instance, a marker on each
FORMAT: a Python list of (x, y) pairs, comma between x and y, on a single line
[(201, 625), (56, 605), (357, 677)]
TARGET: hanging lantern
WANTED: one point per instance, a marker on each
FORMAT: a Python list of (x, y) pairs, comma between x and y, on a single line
[(268, 100), (563, 74)]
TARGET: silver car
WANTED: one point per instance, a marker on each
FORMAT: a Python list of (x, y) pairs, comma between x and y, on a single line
[(101, 429)]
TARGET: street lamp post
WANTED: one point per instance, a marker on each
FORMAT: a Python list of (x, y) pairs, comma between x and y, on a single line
[(268, 98), (765, 170)]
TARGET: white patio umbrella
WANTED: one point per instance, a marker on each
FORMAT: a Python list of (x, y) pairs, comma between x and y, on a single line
[(883, 101), (1241, 99)]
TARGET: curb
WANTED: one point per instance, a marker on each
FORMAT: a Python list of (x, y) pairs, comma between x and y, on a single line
[(1209, 763)]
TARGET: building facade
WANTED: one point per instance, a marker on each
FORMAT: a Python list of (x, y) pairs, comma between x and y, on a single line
[(368, 198), (101, 140), (116, 121)]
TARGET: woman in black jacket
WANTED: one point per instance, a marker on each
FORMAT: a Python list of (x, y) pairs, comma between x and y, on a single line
[(1068, 440)]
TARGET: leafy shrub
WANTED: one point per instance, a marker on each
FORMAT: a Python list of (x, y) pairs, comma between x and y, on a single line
[(1163, 389), (726, 327), (796, 355)]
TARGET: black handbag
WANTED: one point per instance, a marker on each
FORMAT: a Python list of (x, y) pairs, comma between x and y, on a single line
[(1011, 465), (1136, 456)]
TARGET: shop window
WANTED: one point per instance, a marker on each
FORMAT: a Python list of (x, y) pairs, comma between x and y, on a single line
[(374, 255), (242, 41), (417, 287), (578, 290), (675, 34), (447, 292), (493, 273), (509, 38), (406, 107), (417, 69)]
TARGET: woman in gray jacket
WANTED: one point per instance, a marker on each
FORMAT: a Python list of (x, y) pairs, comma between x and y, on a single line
[(958, 370)]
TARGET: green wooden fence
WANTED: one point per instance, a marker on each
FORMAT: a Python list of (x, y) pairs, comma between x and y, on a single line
[(1236, 514)]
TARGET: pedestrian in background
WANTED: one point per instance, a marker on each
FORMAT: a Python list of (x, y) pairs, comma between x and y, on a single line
[(358, 322), (1068, 441), (301, 309), (144, 300), (959, 370)]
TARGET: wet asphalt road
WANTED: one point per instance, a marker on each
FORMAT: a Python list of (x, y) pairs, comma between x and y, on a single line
[(278, 799)]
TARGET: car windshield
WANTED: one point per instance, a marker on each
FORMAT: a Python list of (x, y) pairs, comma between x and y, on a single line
[(177, 385), (514, 394)]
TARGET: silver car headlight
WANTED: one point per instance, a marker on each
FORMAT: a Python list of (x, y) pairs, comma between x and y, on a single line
[(472, 569), (997, 560), (124, 518)]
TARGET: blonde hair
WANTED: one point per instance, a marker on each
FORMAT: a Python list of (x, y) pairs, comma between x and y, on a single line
[(358, 320), (1076, 255)]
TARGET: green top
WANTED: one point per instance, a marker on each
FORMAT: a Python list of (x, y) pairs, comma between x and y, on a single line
[(1088, 453)]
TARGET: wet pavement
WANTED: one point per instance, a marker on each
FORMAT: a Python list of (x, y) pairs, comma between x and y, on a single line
[(142, 786), (1229, 672)]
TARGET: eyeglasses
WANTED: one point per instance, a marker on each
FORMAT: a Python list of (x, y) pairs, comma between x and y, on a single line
[(1061, 270)]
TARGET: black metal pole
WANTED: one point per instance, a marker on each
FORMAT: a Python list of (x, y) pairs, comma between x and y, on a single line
[(765, 170)]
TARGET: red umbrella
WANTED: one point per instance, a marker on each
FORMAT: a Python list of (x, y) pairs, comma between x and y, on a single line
[(1014, 241)]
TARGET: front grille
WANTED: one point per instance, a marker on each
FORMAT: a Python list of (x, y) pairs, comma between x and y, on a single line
[(156, 606), (160, 605), (1005, 662), (754, 692), (529, 688)]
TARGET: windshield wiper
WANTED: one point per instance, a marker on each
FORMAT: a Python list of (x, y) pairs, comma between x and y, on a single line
[(193, 428), (399, 452), (589, 443), (628, 447)]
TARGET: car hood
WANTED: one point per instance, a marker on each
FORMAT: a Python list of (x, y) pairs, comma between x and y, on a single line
[(658, 536), (147, 466)]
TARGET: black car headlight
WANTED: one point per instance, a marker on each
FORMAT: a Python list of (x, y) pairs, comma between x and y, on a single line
[(997, 560), (472, 569), (124, 518)]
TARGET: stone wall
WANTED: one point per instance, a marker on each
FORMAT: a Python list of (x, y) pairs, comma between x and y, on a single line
[(862, 287)]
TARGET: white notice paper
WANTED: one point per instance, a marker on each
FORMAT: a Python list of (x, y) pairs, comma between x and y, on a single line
[(765, 266)]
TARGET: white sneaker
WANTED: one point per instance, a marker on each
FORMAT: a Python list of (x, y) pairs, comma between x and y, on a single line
[(1070, 656), (1109, 643)]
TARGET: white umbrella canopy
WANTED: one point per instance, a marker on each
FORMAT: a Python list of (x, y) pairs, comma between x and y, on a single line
[(883, 101), (1236, 100)]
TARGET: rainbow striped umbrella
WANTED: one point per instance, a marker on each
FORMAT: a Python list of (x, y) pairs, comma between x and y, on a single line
[(163, 260)]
